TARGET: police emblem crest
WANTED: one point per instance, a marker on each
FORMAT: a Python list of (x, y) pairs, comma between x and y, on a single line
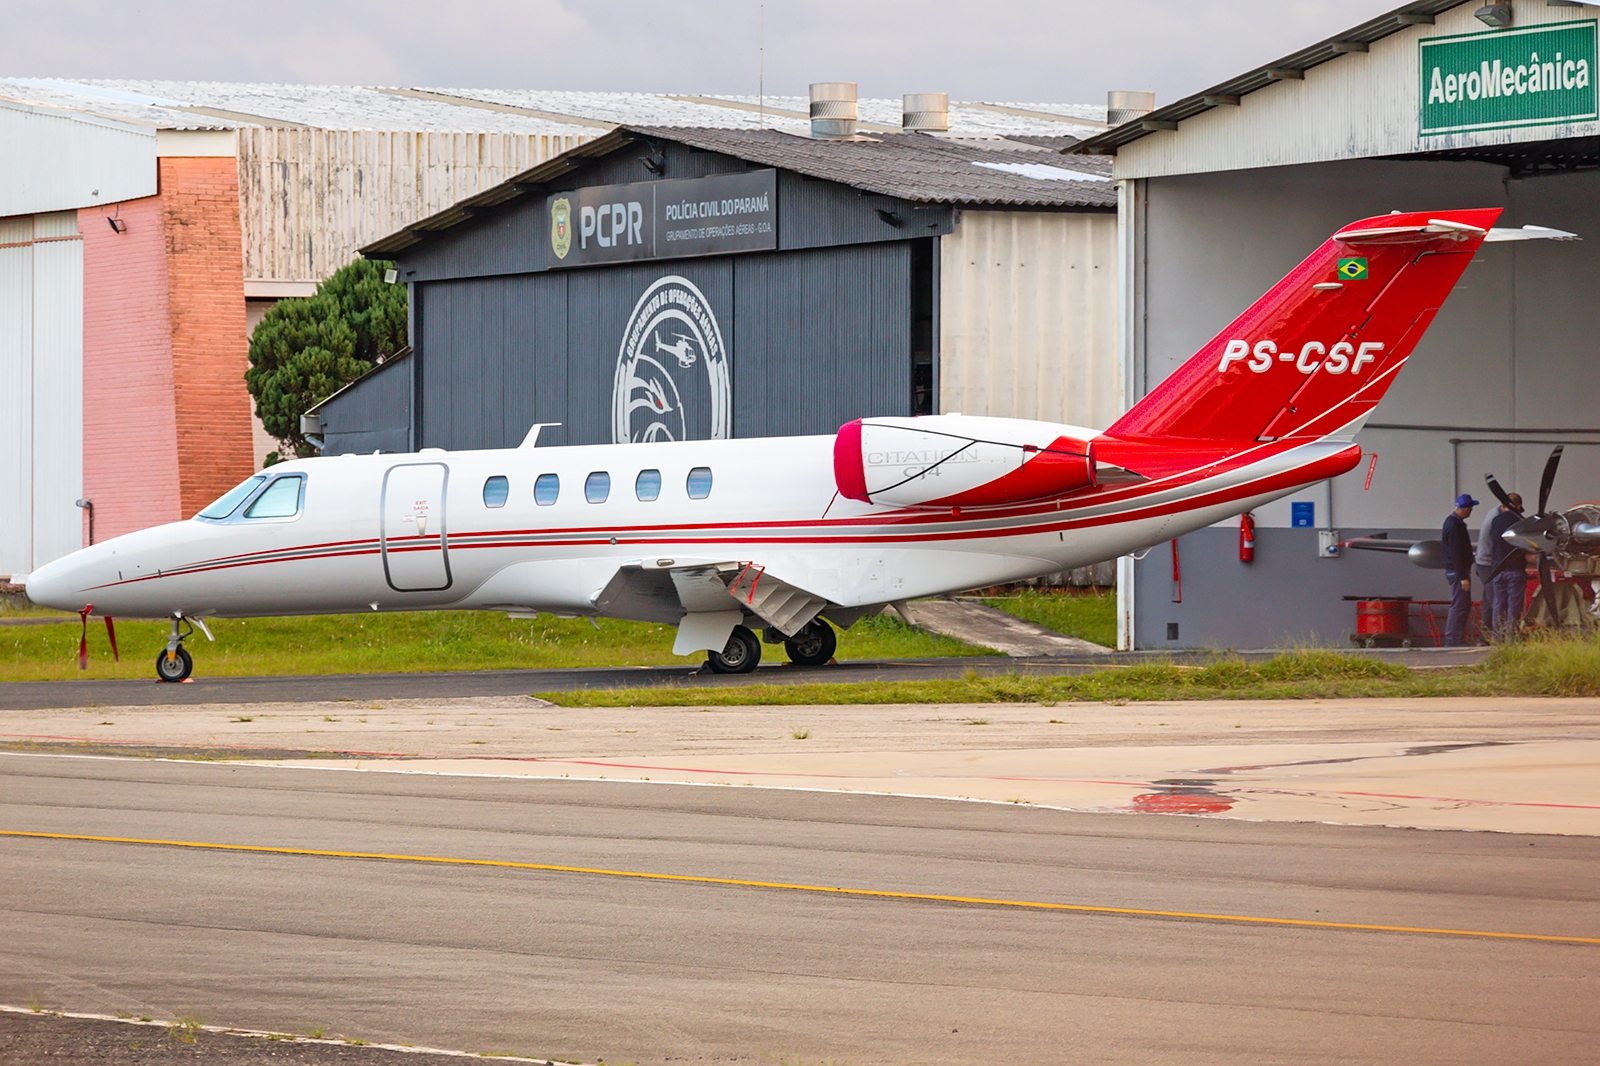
[(561, 226), (672, 380)]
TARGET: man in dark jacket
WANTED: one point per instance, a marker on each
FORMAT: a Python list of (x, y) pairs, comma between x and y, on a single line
[(1457, 544), (1509, 589)]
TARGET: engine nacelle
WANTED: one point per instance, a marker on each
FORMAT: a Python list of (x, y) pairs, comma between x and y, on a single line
[(959, 461)]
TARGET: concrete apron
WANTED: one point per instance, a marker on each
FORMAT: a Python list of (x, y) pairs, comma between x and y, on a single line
[(1537, 787), (1526, 766)]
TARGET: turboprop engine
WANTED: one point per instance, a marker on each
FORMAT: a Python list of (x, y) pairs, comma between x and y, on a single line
[(959, 461)]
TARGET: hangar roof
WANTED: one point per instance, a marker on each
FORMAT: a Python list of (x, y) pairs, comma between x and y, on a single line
[(1291, 67), (228, 105), (929, 168), (926, 168)]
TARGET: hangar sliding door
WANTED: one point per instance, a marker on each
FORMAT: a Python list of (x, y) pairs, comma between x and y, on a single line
[(764, 344), (41, 390), (821, 337)]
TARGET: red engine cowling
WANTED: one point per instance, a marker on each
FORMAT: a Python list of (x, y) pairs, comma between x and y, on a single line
[(956, 461)]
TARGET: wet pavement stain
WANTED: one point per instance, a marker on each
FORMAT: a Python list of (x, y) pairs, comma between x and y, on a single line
[(1182, 796)]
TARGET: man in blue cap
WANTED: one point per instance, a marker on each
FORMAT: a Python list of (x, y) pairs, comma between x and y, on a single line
[(1458, 554)]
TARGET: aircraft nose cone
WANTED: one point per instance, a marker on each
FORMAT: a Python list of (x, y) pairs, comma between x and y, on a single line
[(52, 586)]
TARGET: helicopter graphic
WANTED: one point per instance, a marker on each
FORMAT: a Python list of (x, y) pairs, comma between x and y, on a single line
[(682, 350)]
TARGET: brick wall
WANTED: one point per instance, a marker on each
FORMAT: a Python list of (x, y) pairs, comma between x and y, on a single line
[(130, 468), (205, 300), (166, 413)]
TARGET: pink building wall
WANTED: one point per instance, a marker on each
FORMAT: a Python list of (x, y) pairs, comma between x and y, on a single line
[(130, 464), (166, 413)]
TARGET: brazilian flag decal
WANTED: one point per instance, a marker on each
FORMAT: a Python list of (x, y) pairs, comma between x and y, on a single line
[(1352, 269)]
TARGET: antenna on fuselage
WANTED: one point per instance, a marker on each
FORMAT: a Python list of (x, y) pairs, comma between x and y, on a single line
[(532, 439)]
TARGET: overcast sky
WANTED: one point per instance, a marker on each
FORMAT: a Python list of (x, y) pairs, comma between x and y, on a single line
[(1020, 50)]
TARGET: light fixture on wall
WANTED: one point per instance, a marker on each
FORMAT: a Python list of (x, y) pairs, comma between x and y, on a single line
[(391, 276), (117, 225), (88, 505), (1496, 15)]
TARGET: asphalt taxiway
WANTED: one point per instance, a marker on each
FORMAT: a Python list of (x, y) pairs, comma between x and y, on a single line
[(640, 921)]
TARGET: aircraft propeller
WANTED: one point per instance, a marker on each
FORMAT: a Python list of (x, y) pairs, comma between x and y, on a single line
[(1540, 533)]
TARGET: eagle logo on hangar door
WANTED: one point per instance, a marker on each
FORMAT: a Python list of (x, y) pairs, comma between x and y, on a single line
[(672, 369)]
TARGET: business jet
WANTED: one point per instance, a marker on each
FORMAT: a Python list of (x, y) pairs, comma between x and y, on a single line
[(791, 537)]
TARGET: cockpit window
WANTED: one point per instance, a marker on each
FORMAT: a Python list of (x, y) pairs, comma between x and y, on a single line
[(280, 500), (230, 502)]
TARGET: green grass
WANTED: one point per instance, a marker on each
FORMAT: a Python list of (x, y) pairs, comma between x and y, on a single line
[(1536, 668), (380, 643), (1089, 614)]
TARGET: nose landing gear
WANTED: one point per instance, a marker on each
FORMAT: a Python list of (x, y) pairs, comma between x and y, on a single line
[(174, 663)]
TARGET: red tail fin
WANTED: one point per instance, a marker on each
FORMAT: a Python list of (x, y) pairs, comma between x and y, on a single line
[(1319, 350)]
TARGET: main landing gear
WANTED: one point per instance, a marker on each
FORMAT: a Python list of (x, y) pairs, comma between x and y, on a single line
[(741, 655), (813, 645), (174, 663)]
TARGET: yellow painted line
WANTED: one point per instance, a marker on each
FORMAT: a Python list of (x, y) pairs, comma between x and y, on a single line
[(873, 893)]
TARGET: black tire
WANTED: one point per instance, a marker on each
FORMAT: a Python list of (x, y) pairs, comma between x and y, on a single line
[(174, 670), (814, 645), (742, 654)]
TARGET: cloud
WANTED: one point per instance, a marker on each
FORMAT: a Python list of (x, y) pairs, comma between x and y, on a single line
[(1024, 50)]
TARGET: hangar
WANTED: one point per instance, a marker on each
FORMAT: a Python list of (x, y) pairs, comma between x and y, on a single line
[(1436, 104), (693, 283)]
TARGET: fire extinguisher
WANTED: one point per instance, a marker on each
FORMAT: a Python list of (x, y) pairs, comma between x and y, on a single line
[(1247, 538)]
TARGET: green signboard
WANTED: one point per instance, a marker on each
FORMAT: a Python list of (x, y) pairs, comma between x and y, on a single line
[(1538, 76)]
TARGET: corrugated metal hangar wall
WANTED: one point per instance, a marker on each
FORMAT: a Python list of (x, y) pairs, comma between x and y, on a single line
[(41, 389)]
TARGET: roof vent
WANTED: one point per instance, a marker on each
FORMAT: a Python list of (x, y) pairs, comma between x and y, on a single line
[(833, 109), (926, 111), (1126, 106)]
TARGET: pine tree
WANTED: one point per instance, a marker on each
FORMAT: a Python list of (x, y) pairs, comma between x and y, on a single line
[(305, 350)]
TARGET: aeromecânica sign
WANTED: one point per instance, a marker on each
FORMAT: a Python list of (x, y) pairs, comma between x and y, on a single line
[(1537, 76)]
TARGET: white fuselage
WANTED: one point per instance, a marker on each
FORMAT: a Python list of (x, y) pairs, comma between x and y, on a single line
[(414, 531)]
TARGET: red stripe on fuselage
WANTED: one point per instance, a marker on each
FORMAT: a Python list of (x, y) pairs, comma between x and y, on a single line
[(740, 533)]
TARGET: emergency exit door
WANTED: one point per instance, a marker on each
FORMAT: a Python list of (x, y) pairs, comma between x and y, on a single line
[(416, 556)]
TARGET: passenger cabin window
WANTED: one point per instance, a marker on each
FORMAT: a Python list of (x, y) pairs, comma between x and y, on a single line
[(648, 485), (495, 491), (280, 500), (597, 487), (545, 489), (230, 502), (699, 483)]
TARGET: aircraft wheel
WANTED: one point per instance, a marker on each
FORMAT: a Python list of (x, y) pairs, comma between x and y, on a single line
[(742, 655), (174, 669), (814, 645)]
